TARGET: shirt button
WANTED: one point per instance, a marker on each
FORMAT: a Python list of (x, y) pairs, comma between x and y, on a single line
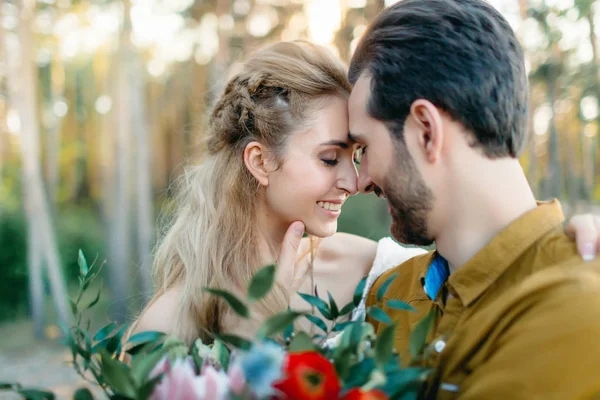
[(439, 345)]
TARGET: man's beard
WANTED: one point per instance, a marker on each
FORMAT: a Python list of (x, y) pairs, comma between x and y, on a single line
[(410, 200)]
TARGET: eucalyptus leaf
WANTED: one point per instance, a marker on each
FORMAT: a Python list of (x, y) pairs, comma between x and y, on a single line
[(418, 336), (333, 306), (73, 307), (301, 342), (384, 287), (384, 345), (399, 305), (81, 261), (145, 337), (147, 388), (95, 301), (278, 323), (378, 314), (104, 331), (35, 394), (117, 375), (236, 341), (347, 309), (261, 283), (340, 326), (317, 321), (236, 304), (358, 292), (321, 305), (142, 365), (83, 394)]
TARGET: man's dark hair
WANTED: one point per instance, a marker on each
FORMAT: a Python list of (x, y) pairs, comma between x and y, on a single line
[(461, 55)]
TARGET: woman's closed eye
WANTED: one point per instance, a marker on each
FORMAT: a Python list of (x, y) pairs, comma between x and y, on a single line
[(330, 163)]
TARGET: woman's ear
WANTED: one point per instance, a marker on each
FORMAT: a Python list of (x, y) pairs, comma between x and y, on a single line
[(255, 158)]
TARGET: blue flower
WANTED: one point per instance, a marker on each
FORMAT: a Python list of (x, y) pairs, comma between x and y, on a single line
[(262, 367)]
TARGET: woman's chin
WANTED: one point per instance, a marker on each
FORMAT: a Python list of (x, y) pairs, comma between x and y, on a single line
[(321, 230)]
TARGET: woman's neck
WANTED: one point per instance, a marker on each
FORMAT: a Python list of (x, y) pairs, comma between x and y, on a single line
[(270, 236)]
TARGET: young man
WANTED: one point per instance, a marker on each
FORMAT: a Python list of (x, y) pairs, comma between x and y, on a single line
[(440, 105)]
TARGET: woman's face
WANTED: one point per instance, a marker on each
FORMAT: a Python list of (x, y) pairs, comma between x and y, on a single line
[(317, 174)]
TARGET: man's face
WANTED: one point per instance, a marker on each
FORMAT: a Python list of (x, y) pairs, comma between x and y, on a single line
[(388, 169)]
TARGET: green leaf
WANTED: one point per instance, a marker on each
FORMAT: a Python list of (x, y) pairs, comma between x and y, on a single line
[(222, 353), (317, 321), (83, 267), (319, 303), (73, 307), (380, 315), (114, 344), (384, 287), (418, 337), (333, 306), (277, 323), (347, 309), (236, 341), (145, 337), (399, 305), (117, 375), (83, 394), (143, 364), (301, 342), (95, 301), (147, 388), (358, 292), (34, 394), (384, 345), (104, 331), (341, 326), (236, 304), (261, 283)]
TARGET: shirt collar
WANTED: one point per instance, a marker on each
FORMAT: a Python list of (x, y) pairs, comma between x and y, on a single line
[(480, 272)]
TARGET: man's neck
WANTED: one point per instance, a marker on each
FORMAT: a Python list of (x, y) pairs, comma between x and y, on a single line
[(482, 205)]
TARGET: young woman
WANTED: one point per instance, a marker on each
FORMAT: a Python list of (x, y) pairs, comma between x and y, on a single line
[(276, 152)]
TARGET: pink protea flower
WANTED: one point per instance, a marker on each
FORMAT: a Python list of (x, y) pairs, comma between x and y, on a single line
[(178, 381)]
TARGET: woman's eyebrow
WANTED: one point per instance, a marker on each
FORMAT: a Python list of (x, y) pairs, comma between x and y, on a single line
[(339, 143)]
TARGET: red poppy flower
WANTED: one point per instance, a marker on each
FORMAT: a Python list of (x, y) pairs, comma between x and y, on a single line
[(309, 376), (357, 394)]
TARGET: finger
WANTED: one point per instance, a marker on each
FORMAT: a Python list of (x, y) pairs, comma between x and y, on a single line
[(583, 229), (289, 251)]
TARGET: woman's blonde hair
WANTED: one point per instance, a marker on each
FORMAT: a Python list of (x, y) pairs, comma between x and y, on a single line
[(211, 240)]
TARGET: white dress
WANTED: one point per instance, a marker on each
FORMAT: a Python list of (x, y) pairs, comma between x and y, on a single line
[(389, 255)]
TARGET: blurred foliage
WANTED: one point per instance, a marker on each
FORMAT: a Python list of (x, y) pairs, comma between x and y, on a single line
[(114, 75)]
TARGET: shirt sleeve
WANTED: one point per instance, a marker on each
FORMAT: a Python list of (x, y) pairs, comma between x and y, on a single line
[(550, 350)]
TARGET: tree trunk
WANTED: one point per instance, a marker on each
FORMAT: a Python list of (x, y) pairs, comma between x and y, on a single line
[(145, 225), (119, 242), (590, 180), (36, 206), (555, 180)]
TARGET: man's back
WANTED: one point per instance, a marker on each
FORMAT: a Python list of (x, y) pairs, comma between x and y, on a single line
[(521, 318)]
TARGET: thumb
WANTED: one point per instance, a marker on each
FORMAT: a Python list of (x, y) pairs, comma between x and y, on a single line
[(289, 251)]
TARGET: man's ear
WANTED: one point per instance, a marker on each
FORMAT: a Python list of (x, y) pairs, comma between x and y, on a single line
[(257, 162), (430, 132)]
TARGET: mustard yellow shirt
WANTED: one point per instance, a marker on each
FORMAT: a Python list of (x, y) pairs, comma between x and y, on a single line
[(521, 319)]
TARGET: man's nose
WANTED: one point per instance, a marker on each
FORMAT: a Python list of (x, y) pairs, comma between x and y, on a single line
[(365, 184)]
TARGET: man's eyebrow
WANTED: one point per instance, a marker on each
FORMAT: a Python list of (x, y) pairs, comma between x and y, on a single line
[(354, 137), (339, 143)]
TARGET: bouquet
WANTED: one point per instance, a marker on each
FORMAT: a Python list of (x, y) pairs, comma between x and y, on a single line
[(280, 363)]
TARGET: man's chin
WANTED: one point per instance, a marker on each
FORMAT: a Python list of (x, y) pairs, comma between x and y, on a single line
[(402, 236)]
